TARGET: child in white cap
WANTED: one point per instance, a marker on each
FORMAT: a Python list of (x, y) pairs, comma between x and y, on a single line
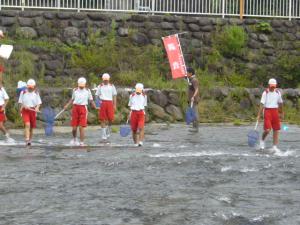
[(80, 99), (3, 102), (107, 94), (137, 104), (30, 102), (272, 108)]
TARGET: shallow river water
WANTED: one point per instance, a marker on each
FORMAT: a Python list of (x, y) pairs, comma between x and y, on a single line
[(209, 178)]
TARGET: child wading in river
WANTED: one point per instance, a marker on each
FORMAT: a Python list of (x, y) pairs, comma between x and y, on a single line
[(137, 104)]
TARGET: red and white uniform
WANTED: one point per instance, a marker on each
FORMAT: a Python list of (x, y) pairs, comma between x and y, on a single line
[(3, 98), (137, 104), (271, 101), (29, 100), (81, 98), (106, 93)]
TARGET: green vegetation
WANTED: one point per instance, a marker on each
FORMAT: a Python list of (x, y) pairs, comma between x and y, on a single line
[(223, 65), (231, 41), (264, 27), (288, 66)]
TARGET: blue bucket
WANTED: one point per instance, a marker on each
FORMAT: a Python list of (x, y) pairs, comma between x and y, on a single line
[(190, 116), (98, 102), (253, 137), (125, 130), (48, 129)]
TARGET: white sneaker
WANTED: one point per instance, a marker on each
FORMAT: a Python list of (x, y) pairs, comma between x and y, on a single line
[(136, 145), (104, 136), (141, 143), (74, 142), (275, 149), (82, 144), (262, 145), (107, 131), (9, 139)]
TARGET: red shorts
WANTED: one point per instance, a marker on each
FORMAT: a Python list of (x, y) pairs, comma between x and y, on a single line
[(272, 120), (106, 111), (137, 120), (29, 116), (2, 115), (79, 116)]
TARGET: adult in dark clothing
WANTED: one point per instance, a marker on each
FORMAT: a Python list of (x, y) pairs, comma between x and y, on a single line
[(193, 94)]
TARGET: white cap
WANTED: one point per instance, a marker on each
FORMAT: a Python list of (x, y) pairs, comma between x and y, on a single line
[(81, 81), (105, 76), (21, 84), (1, 33), (139, 87), (31, 83), (272, 82)]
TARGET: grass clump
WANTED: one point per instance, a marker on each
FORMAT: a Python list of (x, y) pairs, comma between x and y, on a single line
[(231, 41)]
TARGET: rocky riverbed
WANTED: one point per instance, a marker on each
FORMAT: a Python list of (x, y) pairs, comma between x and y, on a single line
[(210, 178)]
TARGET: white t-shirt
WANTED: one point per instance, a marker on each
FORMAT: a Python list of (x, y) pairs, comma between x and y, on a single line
[(271, 100), (106, 92), (3, 96), (137, 102), (30, 99), (82, 96)]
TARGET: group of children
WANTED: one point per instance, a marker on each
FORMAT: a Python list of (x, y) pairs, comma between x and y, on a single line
[(30, 103)]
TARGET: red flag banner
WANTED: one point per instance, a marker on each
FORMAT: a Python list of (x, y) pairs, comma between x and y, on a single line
[(175, 56)]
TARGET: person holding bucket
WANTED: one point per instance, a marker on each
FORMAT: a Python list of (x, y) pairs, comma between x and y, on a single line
[(272, 108), (137, 104), (107, 94), (30, 102), (3, 102), (193, 96), (80, 99)]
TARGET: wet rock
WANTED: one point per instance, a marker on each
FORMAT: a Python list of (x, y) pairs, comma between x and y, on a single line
[(8, 21), (250, 21), (38, 21), (172, 19), (158, 97), (98, 17), (263, 38), (138, 18), (245, 103), (204, 21), (8, 13), (254, 44), (175, 112), (207, 28), (49, 15), (194, 27), (26, 32), (158, 112), (53, 65), (235, 21), (253, 36), (140, 39), (64, 15), (291, 37), (79, 16), (189, 19), (291, 93), (25, 22), (276, 23), (167, 26), (154, 33), (156, 19), (219, 93), (123, 32), (173, 99), (70, 32)]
